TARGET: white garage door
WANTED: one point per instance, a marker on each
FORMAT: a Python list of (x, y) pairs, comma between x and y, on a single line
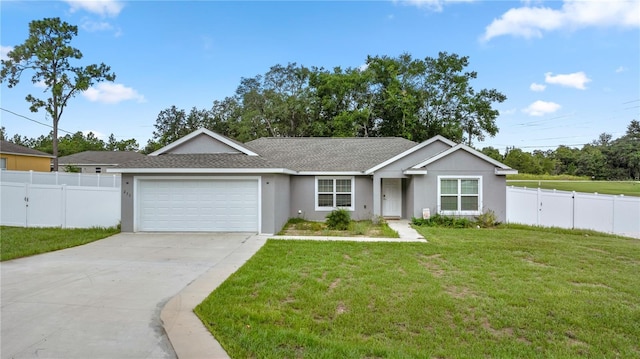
[(202, 205)]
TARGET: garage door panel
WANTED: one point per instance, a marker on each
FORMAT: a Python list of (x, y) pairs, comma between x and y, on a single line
[(198, 205)]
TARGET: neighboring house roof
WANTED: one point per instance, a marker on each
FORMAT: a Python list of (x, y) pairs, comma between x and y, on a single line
[(11, 148), (329, 154), (200, 163), (99, 158)]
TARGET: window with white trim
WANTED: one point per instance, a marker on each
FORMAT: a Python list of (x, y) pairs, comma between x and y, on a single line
[(3, 163), (460, 195), (334, 192)]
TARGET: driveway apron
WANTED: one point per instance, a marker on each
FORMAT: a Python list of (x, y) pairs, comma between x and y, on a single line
[(103, 299)]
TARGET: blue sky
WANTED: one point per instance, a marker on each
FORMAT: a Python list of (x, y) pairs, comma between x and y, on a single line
[(570, 69)]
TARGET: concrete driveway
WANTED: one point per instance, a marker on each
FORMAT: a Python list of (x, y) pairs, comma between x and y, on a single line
[(103, 299)]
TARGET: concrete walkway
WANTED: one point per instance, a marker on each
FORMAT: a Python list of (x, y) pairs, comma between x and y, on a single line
[(190, 338), (104, 299)]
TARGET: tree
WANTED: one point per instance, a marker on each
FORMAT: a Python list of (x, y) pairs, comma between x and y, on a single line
[(47, 53)]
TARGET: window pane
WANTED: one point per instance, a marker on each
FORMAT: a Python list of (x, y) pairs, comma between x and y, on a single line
[(469, 186), (325, 200), (470, 203), (449, 186), (343, 200), (325, 185), (343, 185), (449, 203)]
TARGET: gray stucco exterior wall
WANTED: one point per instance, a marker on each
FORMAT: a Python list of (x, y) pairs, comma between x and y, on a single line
[(303, 198), (275, 202), (460, 163)]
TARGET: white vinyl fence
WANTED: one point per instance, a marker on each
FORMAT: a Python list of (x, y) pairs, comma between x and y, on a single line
[(59, 205), (550, 208), (59, 178)]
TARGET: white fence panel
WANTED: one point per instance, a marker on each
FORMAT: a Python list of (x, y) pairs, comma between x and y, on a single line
[(32, 205), (626, 219), (594, 212), (45, 206), (13, 210), (556, 209), (95, 206), (59, 178), (604, 213), (522, 206)]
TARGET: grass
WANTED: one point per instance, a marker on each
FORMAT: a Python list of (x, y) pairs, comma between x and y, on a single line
[(531, 177), (17, 242), (301, 227), (628, 188), (510, 292)]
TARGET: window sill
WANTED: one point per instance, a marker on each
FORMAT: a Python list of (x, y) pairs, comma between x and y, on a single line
[(329, 209), (460, 213)]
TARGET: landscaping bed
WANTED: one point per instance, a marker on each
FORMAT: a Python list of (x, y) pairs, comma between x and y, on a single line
[(301, 227)]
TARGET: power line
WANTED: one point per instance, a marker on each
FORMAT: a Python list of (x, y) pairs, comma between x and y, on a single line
[(32, 120)]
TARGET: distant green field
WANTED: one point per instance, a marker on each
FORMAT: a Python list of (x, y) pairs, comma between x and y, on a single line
[(627, 188)]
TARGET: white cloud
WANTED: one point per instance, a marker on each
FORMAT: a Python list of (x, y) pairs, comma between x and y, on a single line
[(510, 111), (41, 84), (575, 80), (4, 50), (621, 69), (99, 7), (537, 87), (107, 92), (363, 67), (529, 22), (541, 108), (434, 5), (93, 26)]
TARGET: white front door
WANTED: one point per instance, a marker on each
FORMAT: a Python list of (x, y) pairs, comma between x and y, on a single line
[(392, 197)]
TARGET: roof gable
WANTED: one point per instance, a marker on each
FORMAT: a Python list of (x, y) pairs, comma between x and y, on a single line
[(462, 147), (14, 149), (408, 152), (203, 141)]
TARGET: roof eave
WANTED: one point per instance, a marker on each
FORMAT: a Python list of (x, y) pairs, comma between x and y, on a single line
[(505, 171), (200, 170), (27, 154)]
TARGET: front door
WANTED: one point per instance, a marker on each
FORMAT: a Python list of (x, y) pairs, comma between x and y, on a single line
[(392, 197)]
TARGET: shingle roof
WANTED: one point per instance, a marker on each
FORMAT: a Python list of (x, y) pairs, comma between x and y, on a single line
[(10, 147), (100, 158), (199, 160), (329, 154)]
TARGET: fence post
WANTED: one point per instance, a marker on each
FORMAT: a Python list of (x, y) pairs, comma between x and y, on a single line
[(573, 209), (56, 178), (31, 176), (26, 205), (98, 180), (539, 205), (63, 205), (114, 181)]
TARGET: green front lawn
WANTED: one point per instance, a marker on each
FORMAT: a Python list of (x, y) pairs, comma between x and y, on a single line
[(16, 242), (510, 292)]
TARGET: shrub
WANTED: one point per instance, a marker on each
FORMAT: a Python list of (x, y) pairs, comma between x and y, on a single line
[(487, 219), (438, 220), (338, 219)]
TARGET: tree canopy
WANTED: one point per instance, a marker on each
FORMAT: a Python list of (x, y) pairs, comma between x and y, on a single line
[(47, 54), (388, 96)]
